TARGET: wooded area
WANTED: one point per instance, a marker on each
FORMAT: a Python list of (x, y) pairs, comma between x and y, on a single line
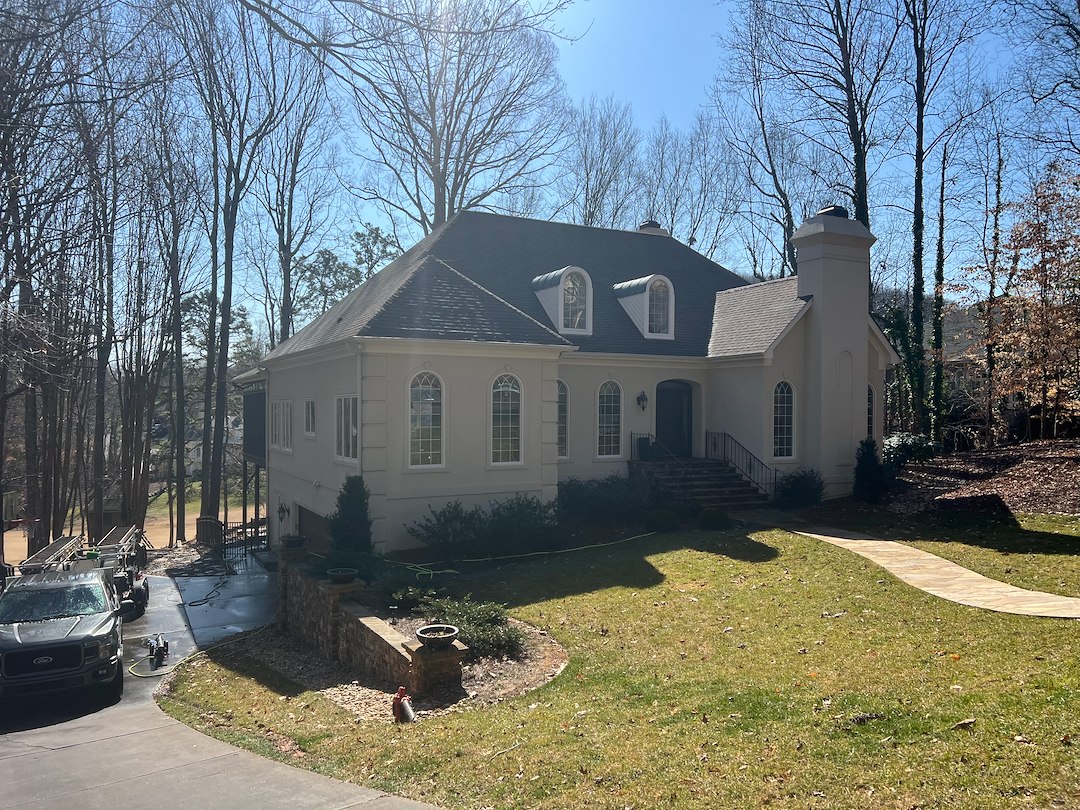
[(183, 185)]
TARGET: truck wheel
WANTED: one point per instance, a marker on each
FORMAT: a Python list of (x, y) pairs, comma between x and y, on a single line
[(140, 594), (114, 689)]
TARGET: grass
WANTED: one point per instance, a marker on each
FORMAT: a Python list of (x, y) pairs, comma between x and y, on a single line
[(710, 670), (1039, 552)]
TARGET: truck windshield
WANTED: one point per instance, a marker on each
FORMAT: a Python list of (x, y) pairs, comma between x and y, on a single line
[(40, 604)]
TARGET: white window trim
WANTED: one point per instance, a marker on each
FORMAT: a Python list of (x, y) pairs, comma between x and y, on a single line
[(670, 333), (794, 424), (502, 465), (565, 455), (622, 422), (281, 425), (441, 466), (871, 410), (588, 302), (310, 434), (337, 426)]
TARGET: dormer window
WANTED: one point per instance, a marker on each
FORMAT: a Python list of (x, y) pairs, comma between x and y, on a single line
[(575, 302), (659, 300), (650, 303), (567, 298)]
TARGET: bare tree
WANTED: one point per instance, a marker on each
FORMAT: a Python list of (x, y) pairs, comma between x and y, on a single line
[(458, 113), (597, 172), (839, 59)]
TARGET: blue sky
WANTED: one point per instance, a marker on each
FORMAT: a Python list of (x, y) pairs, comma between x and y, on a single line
[(659, 55)]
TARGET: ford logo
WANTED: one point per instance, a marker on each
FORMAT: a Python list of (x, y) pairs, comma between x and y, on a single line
[(42, 661)]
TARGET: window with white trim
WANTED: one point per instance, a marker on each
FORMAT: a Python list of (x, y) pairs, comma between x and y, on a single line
[(281, 424), (783, 420), (562, 421), (506, 420), (309, 417), (425, 420), (659, 308), (346, 427), (609, 420), (575, 292)]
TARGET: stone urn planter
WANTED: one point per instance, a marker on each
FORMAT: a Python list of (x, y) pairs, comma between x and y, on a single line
[(341, 576), (437, 636), (293, 540)]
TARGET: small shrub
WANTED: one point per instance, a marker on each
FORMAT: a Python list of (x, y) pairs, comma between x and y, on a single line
[(452, 531), (616, 497), (350, 524), (901, 449), (485, 628), (869, 473), (714, 520), (399, 588), (661, 520), (799, 489), (518, 524)]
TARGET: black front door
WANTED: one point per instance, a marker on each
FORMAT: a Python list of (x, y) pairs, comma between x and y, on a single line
[(675, 417)]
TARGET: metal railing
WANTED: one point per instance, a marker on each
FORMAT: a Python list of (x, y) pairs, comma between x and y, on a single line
[(646, 447), (724, 447)]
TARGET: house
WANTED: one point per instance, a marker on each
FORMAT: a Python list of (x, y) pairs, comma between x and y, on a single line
[(502, 355)]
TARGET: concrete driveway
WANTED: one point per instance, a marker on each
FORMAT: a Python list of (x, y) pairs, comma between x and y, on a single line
[(79, 751)]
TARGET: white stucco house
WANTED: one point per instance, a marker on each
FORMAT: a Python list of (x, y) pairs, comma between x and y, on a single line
[(501, 355)]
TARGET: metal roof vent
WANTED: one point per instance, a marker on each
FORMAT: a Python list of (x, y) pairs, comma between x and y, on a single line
[(833, 211)]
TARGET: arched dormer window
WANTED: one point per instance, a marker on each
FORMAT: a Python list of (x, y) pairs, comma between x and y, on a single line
[(659, 307), (575, 302), (783, 420)]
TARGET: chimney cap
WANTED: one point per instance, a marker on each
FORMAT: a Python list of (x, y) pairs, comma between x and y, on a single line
[(833, 211), (649, 223)]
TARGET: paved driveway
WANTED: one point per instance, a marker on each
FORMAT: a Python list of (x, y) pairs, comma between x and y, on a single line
[(80, 752)]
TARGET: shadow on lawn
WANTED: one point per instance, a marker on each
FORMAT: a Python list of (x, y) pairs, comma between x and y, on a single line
[(625, 565), (981, 520)]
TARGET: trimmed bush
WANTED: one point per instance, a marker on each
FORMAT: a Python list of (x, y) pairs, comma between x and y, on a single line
[(616, 497), (901, 449), (799, 489), (452, 531), (399, 588), (869, 473), (714, 520), (350, 523), (485, 628)]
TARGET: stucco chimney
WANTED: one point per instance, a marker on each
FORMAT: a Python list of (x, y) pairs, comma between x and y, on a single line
[(652, 226), (834, 270)]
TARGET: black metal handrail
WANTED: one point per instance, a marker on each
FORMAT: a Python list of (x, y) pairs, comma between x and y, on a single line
[(724, 447), (646, 447)]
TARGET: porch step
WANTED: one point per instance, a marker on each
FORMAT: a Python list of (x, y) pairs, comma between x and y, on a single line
[(708, 483)]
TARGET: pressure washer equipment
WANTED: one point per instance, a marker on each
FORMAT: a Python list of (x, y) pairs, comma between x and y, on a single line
[(403, 710), (159, 650)]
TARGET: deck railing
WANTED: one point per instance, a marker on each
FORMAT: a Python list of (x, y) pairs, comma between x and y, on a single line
[(724, 447), (646, 447)]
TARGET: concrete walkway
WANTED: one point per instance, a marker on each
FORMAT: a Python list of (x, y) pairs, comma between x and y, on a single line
[(931, 573)]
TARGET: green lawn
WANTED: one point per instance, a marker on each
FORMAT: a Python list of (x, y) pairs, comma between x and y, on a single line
[(711, 670)]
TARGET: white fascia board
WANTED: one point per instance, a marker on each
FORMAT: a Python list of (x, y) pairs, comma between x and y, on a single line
[(318, 354), (893, 359), (461, 347), (650, 360)]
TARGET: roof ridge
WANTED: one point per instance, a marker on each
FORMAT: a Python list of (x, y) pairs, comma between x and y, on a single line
[(756, 284), (502, 301)]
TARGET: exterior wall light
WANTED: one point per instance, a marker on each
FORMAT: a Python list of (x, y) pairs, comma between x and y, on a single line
[(282, 512), (642, 400)]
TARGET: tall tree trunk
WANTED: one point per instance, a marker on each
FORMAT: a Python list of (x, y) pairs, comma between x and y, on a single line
[(937, 348)]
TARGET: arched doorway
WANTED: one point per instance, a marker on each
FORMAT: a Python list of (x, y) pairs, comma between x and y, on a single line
[(675, 417)]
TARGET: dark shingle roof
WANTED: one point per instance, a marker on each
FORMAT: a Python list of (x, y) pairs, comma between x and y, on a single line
[(749, 319), (503, 255)]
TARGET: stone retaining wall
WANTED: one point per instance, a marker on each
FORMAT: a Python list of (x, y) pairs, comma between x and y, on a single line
[(328, 618)]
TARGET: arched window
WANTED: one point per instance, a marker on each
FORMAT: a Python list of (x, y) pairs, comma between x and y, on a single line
[(659, 306), (575, 302), (783, 420), (506, 420), (562, 417), (609, 420), (870, 411), (425, 420)]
